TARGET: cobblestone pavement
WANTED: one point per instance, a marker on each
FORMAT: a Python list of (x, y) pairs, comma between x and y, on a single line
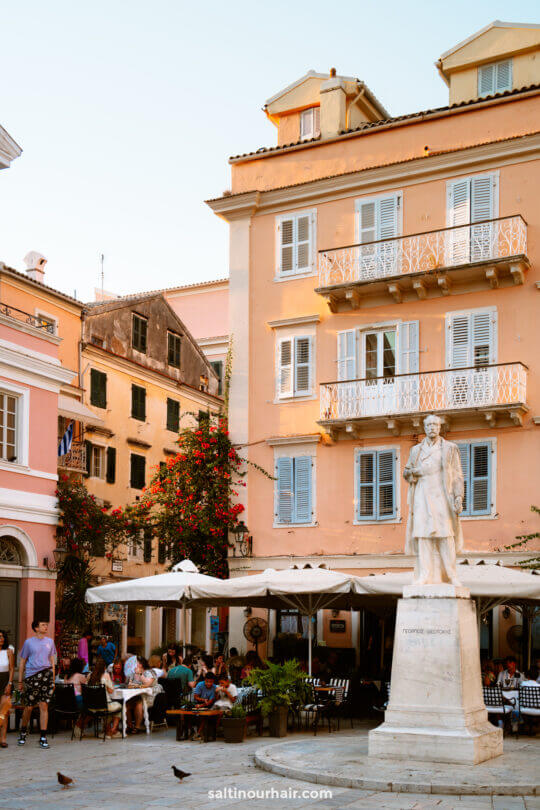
[(136, 773)]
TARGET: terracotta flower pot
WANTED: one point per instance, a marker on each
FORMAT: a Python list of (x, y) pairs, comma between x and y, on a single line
[(277, 721), (234, 729)]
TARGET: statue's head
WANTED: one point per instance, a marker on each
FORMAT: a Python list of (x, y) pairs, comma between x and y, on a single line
[(432, 425)]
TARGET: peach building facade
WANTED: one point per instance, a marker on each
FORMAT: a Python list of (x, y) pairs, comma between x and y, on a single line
[(381, 269)]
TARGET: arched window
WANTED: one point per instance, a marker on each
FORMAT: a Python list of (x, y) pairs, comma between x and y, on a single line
[(10, 551)]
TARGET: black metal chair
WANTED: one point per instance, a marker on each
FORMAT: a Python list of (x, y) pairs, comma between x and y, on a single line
[(96, 706), (529, 704), (497, 704), (173, 690), (344, 706), (250, 704), (157, 713), (316, 708), (65, 705)]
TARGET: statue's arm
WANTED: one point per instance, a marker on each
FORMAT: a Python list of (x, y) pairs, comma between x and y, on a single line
[(410, 473), (457, 480)]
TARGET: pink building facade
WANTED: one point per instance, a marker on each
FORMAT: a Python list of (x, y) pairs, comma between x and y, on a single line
[(30, 380)]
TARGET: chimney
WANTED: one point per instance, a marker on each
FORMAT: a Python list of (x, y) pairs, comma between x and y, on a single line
[(333, 106), (35, 265)]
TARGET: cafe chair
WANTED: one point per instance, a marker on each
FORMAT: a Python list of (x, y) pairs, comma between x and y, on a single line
[(157, 713), (96, 706), (496, 703), (529, 704), (65, 705)]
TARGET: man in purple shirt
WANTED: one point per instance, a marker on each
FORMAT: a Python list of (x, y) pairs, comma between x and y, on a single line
[(36, 673)]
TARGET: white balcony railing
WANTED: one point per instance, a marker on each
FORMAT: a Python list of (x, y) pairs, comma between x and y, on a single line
[(446, 390), (424, 252)]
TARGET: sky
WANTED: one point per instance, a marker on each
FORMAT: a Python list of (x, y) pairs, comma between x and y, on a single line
[(127, 112)]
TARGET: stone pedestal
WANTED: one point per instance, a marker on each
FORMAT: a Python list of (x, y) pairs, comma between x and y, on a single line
[(436, 711)]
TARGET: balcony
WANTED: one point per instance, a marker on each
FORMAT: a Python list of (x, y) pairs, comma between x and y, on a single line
[(75, 460), (465, 398), (25, 317), (466, 258)]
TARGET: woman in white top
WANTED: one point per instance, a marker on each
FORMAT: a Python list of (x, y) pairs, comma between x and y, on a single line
[(7, 667)]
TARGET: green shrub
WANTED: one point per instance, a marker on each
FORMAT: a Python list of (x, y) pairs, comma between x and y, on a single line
[(281, 685)]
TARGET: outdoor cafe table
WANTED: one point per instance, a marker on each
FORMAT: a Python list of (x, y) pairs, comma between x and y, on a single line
[(184, 714), (125, 694)]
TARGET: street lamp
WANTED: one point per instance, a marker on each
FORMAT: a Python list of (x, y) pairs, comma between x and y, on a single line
[(243, 541)]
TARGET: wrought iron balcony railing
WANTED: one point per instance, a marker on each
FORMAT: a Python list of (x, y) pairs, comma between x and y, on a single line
[(75, 459), (504, 384), (428, 252), (33, 320)]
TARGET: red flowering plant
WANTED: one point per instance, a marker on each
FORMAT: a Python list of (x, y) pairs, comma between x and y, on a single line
[(190, 504)]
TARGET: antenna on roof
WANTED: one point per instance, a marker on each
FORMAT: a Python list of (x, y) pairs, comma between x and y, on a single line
[(102, 259)]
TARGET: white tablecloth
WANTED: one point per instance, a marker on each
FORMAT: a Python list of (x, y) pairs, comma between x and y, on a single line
[(123, 695)]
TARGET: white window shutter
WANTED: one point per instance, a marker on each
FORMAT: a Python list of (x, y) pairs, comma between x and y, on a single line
[(285, 368), (316, 122), (408, 347), (388, 217), (286, 246), (302, 365), (346, 360), (482, 198), (285, 495), (486, 80), (503, 75), (458, 203), (459, 341), (464, 457), (367, 221), (302, 489), (303, 243), (483, 338)]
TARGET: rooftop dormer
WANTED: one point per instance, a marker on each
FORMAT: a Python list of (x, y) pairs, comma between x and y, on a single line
[(322, 105), (500, 57)]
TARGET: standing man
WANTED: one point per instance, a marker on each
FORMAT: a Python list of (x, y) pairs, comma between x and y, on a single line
[(36, 673), (107, 651), (436, 489)]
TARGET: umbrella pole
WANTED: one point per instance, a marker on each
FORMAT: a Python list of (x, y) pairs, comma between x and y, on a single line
[(184, 629), (310, 635)]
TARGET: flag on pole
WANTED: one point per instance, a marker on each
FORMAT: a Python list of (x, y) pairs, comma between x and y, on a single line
[(65, 442)]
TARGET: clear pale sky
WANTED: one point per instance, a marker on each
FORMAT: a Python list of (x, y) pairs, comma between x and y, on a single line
[(127, 112)]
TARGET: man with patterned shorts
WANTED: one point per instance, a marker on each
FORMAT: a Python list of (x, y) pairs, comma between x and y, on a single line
[(37, 663)]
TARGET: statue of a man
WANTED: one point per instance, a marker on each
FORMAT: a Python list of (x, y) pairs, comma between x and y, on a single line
[(435, 501)]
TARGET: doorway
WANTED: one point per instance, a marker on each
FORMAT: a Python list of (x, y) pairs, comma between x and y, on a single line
[(9, 599), (379, 361)]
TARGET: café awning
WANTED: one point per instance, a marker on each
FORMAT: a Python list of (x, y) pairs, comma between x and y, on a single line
[(75, 409)]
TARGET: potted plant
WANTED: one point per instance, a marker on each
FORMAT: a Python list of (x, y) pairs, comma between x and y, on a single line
[(282, 686), (234, 725)]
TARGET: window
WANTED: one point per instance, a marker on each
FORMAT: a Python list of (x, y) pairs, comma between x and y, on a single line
[(294, 366), (204, 417), (135, 546), (472, 338), (139, 333), (217, 365), (138, 402), (147, 547), (47, 322), (378, 220), (292, 621), (173, 415), (310, 123), (173, 349), (296, 244), (294, 486), (471, 200), (8, 427), (98, 388), (138, 471), (97, 461), (476, 465), (495, 78), (376, 485)]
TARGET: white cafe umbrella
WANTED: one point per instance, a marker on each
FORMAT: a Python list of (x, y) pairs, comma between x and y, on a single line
[(305, 589), (172, 589)]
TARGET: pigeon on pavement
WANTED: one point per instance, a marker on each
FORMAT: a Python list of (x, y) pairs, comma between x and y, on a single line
[(65, 781), (178, 773)]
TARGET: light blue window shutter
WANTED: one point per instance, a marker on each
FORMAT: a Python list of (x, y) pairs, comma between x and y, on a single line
[(386, 484), (302, 489), (285, 497), (366, 472), (464, 455), (480, 477), (302, 365)]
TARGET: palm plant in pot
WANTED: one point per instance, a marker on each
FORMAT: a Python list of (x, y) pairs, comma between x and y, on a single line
[(234, 724), (282, 686)]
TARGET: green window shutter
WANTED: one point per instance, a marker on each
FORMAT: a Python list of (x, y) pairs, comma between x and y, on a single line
[(98, 388), (111, 465), (139, 333), (88, 448), (204, 416), (217, 365), (138, 470), (147, 549), (173, 415), (138, 402), (162, 552), (173, 349)]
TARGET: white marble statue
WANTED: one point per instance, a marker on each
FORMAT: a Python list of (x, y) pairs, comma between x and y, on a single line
[(435, 501)]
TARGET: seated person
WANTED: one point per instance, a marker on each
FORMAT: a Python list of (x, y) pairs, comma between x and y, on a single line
[(204, 695), (219, 667), (100, 677), (183, 673), (77, 678), (117, 673), (226, 694), (171, 658), (130, 662), (530, 679), (154, 663), (142, 678), (510, 677)]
